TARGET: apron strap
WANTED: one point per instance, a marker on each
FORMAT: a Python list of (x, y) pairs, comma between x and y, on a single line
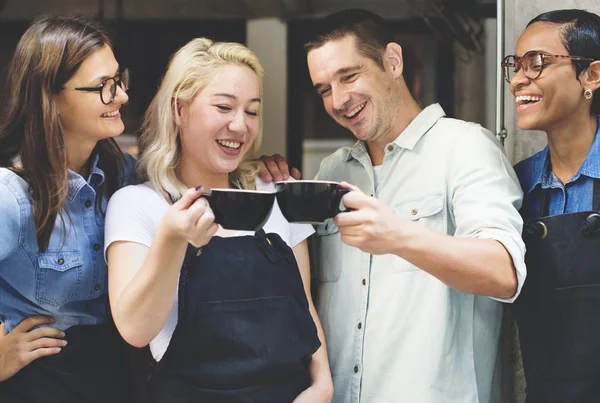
[(544, 202), (183, 274), (596, 198)]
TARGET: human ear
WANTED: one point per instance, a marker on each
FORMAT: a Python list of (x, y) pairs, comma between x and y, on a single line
[(393, 57), (591, 77)]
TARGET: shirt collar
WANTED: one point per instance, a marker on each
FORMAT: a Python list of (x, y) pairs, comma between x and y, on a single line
[(420, 125), (591, 164), (76, 181), (542, 173)]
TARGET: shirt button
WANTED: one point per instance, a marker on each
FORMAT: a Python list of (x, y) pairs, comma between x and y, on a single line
[(61, 261), (96, 247), (414, 211), (96, 287), (364, 282), (88, 203), (390, 148), (356, 369), (359, 325)]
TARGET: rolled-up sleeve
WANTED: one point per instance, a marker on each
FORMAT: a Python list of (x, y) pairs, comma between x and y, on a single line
[(486, 196)]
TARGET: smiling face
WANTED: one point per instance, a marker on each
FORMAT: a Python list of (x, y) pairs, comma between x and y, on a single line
[(356, 92), (556, 95), (83, 116), (220, 125)]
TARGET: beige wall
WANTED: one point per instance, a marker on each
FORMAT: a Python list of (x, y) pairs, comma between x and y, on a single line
[(267, 37)]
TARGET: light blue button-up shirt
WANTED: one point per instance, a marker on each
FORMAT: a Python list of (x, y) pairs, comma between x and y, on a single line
[(535, 174), (69, 280), (394, 332)]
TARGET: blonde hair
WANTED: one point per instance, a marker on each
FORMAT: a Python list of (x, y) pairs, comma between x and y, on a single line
[(190, 70)]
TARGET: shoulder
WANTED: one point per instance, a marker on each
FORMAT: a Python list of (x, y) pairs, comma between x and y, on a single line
[(13, 195), (528, 171), (460, 130), (142, 195), (332, 164), (13, 186), (129, 170)]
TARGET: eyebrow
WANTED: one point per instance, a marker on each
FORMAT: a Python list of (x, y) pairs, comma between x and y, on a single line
[(231, 96), (105, 77), (342, 71)]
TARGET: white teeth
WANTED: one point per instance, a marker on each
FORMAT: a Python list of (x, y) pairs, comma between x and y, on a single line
[(521, 99), (354, 111), (230, 144), (110, 114)]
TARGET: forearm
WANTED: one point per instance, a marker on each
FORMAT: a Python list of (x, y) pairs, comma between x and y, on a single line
[(144, 304), (320, 373), (472, 265)]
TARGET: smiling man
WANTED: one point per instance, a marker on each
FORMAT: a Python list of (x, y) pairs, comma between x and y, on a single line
[(411, 281)]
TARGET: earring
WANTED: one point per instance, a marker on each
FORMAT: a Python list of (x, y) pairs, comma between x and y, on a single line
[(588, 94)]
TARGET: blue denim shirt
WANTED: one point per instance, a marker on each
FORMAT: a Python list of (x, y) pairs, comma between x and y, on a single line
[(69, 280), (535, 173)]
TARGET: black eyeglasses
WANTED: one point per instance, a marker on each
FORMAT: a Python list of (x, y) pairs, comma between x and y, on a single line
[(533, 63), (108, 87)]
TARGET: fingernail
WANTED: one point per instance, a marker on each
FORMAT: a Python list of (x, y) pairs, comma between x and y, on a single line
[(198, 188), (269, 178), (63, 334), (286, 177), (64, 343)]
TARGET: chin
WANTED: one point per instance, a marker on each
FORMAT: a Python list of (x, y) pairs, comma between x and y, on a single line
[(528, 123)]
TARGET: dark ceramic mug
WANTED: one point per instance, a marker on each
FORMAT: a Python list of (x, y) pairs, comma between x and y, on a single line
[(309, 201), (240, 209)]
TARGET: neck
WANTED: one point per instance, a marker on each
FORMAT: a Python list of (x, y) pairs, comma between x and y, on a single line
[(192, 177), (406, 112), (569, 143), (78, 155)]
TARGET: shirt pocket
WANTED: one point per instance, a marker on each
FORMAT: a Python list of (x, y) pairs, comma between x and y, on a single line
[(426, 210), (330, 253), (58, 278)]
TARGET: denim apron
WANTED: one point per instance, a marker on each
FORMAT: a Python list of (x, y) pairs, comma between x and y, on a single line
[(244, 332), (91, 368), (558, 311)]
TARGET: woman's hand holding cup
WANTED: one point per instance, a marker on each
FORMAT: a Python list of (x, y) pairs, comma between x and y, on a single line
[(191, 219)]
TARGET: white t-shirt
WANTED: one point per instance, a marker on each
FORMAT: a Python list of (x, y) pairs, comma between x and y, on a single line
[(134, 213), (377, 169)]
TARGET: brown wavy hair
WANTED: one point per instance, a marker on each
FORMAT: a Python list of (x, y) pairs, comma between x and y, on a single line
[(31, 140)]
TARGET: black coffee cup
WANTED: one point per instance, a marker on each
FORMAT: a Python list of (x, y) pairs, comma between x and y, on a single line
[(309, 201), (240, 209)]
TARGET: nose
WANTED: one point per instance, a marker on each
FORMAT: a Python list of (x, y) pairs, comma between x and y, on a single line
[(340, 98), (238, 123), (120, 96), (519, 79)]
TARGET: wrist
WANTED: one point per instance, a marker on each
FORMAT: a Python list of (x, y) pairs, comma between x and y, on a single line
[(168, 238)]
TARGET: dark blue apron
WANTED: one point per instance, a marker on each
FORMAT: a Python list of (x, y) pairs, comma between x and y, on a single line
[(91, 368), (558, 311), (244, 332)]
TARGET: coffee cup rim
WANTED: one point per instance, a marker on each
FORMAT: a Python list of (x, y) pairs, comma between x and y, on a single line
[(308, 181), (240, 190)]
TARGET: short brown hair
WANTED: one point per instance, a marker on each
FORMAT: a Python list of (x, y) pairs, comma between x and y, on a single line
[(370, 31)]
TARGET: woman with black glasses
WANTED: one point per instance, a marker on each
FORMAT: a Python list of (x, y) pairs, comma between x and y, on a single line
[(555, 78), (59, 164)]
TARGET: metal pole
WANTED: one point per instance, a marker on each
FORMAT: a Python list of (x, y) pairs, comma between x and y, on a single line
[(500, 130)]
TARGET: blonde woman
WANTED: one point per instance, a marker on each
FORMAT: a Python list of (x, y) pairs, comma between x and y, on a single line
[(232, 324)]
